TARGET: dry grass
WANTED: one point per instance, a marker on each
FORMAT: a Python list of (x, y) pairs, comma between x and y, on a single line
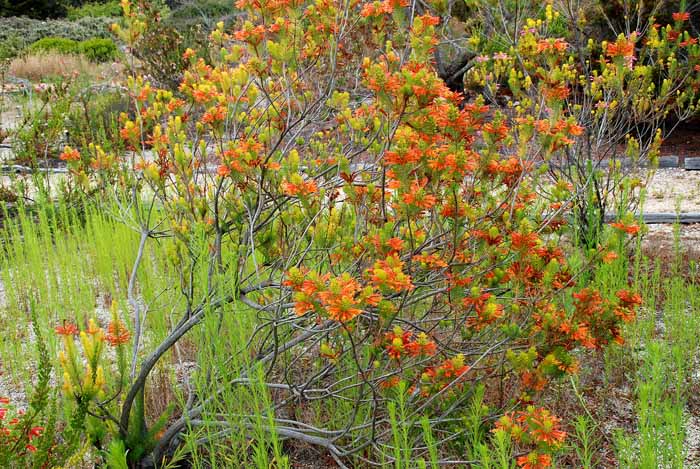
[(39, 67)]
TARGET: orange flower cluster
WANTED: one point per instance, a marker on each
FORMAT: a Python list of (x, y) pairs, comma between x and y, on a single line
[(386, 7), (486, 309), (630, 229), (117, 334), (11, 433), (510, 170), (623, 48), (524, 242), (388, 274), (629, 303), (66, 329), (452, 371), (533, 427), (557, 134), (431, 261), (70, 154), (391, 246), (251, 34), (340, 298), (401, 343), (557, 45), (215, 115), (300, 189), (418, 196), (241, 157)]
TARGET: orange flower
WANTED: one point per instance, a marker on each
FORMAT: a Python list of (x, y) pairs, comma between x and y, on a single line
[(340, 299), (66, 329), (301, 189), (631, 229), (69, 154), (609, 256), (396, 244), (552, 45), (117, 334), (545, 427), (534, 460), (681, 16), (628, 298), (400, 342), (390, 382), (622, 48), (524, 242), (556, 92), (35, 432), (432, 261), (389, 274), (576, 130), (214, 115), (382, 8), (583, 336), (418, 197)]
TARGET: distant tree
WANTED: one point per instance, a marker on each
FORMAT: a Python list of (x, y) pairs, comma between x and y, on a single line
[(33, 8), (40, 9)]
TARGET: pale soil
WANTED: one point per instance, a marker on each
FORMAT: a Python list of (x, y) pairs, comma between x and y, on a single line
[(670, 189)]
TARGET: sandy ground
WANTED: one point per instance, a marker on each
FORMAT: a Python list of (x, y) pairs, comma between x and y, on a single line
[(672, 188)]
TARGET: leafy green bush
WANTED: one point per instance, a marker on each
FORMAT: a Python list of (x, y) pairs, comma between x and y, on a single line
[(18, 33), (55, 44), (98, 49), (111, 9), (95, 49), (10, 47)]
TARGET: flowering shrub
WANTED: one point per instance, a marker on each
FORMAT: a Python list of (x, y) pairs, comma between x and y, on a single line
[(622, 96), (16, 441), (535, 428), (28, 429), (91, 383), (381, 230)]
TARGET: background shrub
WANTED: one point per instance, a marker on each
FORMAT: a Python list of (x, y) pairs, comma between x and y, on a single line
[(18, 33), (33, 8), (95, 49), (10, 47), (55, 44), (206, 13), (110, 9), (99, 49)]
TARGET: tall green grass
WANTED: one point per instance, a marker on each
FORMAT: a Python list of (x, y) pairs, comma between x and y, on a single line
[(657, 362), (68, 262)]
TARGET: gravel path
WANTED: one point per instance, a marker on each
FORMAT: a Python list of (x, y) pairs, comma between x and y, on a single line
[(672, 188)]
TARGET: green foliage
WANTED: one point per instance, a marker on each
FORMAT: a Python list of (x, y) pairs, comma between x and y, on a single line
[(98, 49), (55, 44), (110, 9), (95, 49), (94, 118), (116, 457), (10, 47), (38, 135), (205, 13), (16, 33)]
